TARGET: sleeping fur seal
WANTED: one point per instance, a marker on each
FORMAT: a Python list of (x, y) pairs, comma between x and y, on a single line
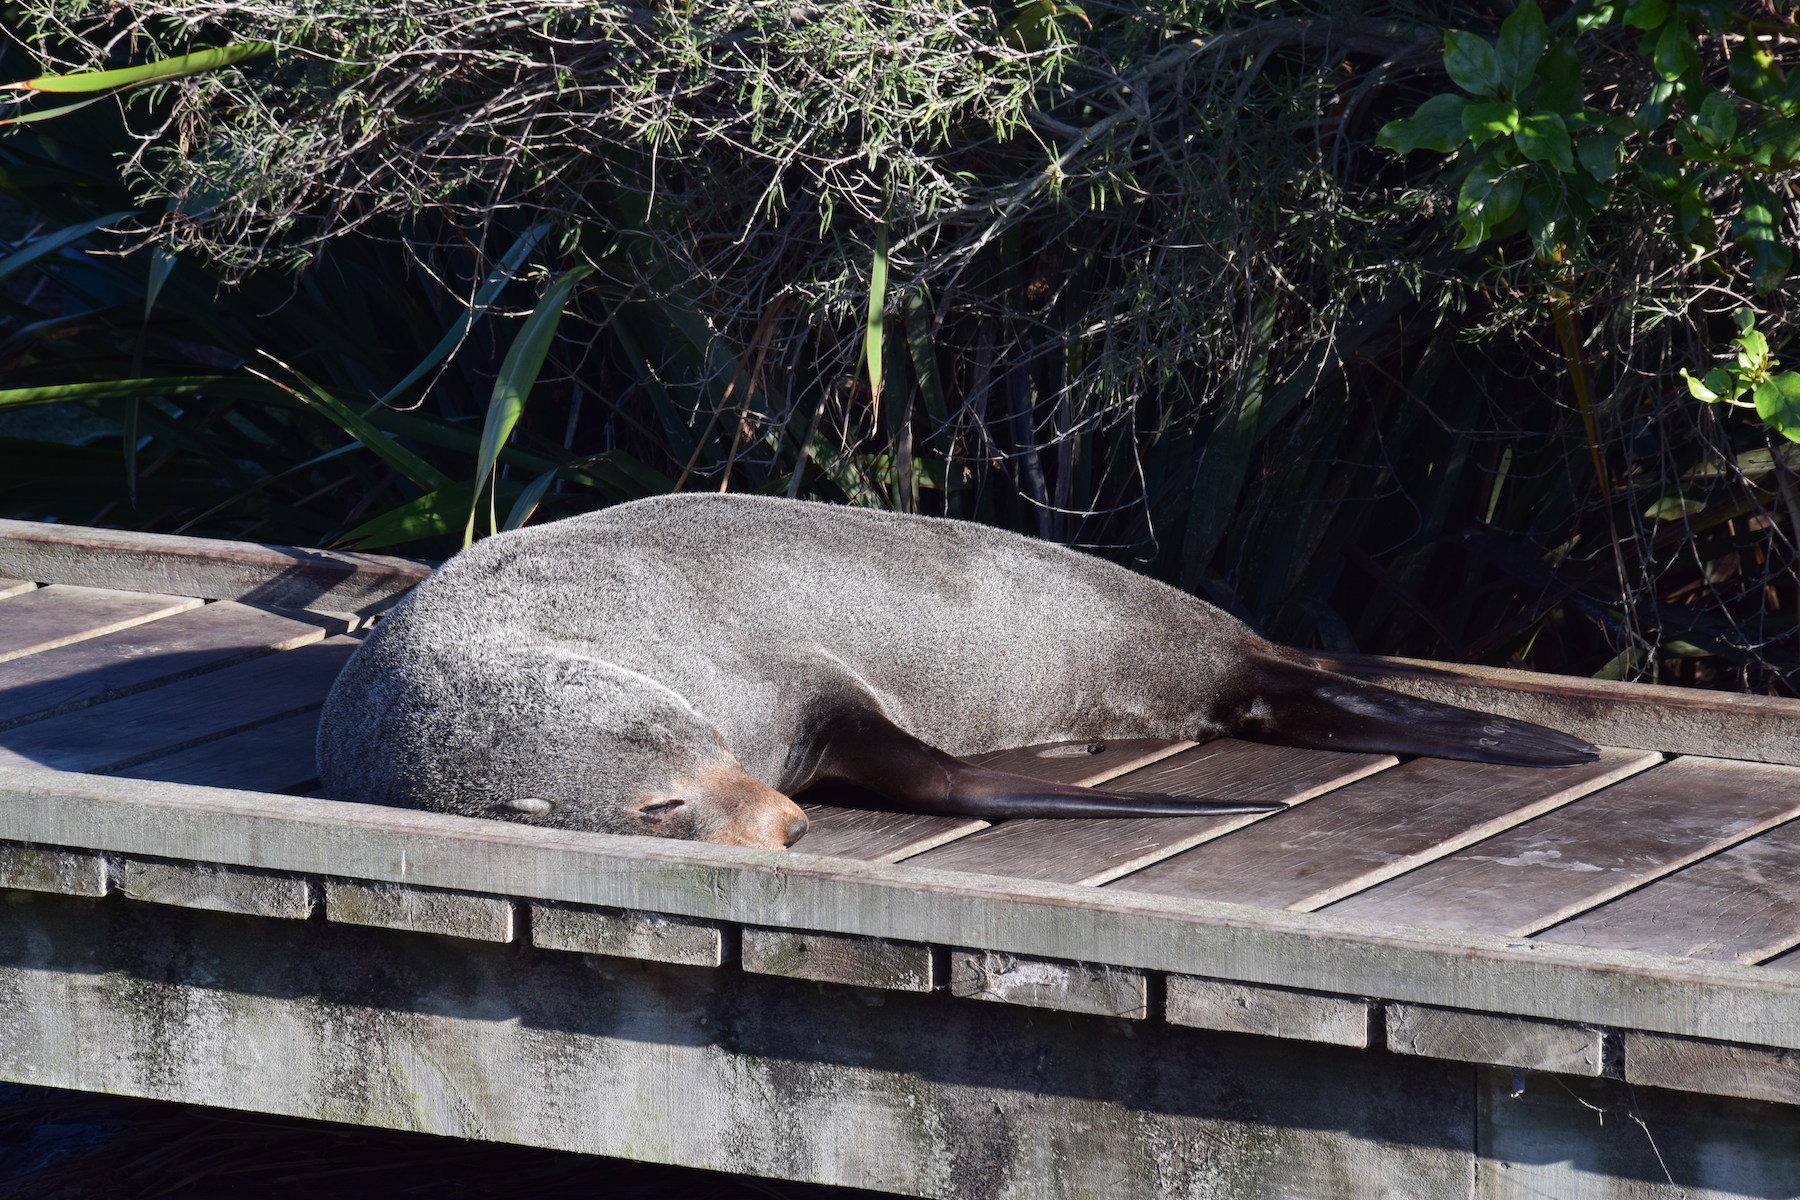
[(680, 666)]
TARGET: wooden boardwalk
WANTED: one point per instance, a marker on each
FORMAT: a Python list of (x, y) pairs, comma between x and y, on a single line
[(1634, 919), (1676, 854)]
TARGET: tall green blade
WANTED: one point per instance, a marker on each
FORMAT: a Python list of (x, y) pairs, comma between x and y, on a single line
[(518, 373), (138, 76)]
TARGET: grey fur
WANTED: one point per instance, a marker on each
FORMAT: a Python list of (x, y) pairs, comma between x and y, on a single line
[(603, 659)]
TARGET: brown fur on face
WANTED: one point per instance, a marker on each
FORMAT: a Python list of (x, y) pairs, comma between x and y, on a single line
[(721, 804)]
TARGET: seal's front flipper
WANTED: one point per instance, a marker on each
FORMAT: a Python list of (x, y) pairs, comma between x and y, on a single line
[(873, 753), (1295, 705)]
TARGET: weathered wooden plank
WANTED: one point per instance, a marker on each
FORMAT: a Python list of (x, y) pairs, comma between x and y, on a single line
[(1716, 1068), (276, 757), (1742, 905), (279, 576), (121, 733), (1094, 851), (471, 915), (57, 615), (841, 958), (1067, 986), (52, 682), (628, 933), (52, 869), (1590, 851), (1637, 716), (1233, 1007), (214, 887), (1314, 951), (1495, 1040), (875, 836), (15, 587), (844, 831), (1359, 835)]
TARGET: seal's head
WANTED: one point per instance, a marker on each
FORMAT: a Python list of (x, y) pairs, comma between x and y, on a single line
[(543, 736)]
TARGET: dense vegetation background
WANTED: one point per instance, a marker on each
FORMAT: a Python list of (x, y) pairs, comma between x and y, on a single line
[(1364, 320)]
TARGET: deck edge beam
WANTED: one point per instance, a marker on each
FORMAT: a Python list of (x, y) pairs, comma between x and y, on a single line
[(1478, 972), (254, 572)]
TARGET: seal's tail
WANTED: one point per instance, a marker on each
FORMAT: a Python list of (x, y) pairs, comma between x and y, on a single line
[(1298, 705)]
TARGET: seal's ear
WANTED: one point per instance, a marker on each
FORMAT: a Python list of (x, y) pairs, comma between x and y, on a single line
[(530, 806)]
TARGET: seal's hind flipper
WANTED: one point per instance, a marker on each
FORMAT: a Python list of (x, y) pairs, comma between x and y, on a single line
[(868, 750), (1295, 705)]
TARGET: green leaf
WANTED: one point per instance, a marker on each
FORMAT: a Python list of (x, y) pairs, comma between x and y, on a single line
[(1469, 61), (1775, 141), (50, 243), (138, 76), (1437, 125), (421, 473), (1655, 108), (1754, 354), (1489, 196), (1753, 73), (518, 374), (1778, 403), (1595, 13), (1599, 155), (1647, 14), (1674, 56), (1703, 390), (45, 114), (1485, 122), (1520, 47), (431, 515), (875, 326), (113, 389), (1561, 87), (1757, 228), (1716, 120), (1673, 508), (529, 498), (1542, 205), (1542, 137)]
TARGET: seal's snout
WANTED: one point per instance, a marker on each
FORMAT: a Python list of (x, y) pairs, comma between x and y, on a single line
[(738, 811)]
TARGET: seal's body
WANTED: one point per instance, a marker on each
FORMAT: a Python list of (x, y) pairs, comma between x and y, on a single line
[(681, 665)]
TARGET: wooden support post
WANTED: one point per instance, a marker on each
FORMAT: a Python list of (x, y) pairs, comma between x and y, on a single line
[(52, 869), (420, 909), (841, 958), (215, 887), (1499, 1041), (1717, 1068), (628, 933), (1050, 983), (1269, 1011)]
